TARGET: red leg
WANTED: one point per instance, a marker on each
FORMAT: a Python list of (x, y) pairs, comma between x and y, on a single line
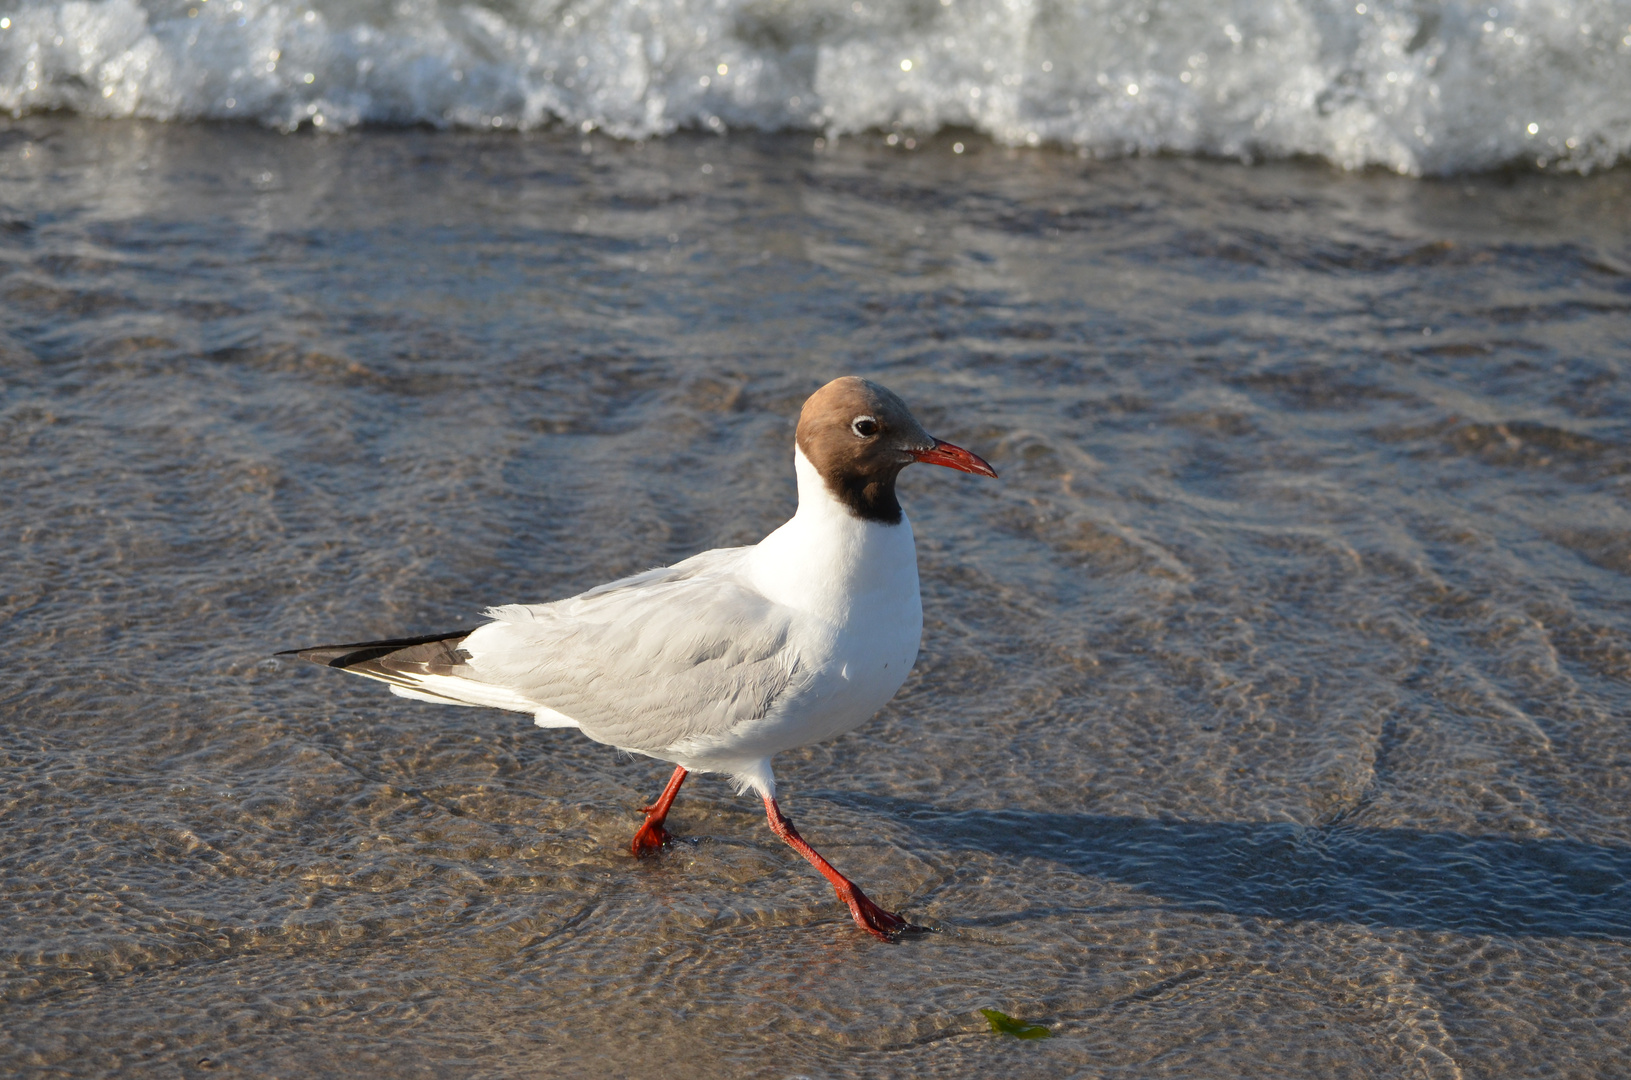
[(884, 925), (652, 836)]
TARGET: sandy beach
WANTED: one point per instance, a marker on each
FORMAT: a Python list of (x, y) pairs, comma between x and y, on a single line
[(1272, 714)]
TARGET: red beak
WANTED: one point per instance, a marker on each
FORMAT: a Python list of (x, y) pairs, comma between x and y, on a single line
[(954, 457)]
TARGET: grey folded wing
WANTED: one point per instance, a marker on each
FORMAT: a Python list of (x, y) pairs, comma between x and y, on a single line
[(677, 654)]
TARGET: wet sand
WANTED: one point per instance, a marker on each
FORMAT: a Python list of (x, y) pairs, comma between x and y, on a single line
[(1272, 714)]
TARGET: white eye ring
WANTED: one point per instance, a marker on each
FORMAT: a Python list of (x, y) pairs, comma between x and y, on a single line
[(864, 426)]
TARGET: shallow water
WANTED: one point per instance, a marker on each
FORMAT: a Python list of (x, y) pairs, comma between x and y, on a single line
[(1271, 719)]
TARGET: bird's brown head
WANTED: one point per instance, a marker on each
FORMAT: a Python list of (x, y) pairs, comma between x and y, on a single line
[(859, 436)]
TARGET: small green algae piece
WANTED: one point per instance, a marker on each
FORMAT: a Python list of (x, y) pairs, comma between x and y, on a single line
[(1003, 1024)]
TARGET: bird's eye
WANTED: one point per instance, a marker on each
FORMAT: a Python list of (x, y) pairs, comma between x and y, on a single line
[(864, 426)]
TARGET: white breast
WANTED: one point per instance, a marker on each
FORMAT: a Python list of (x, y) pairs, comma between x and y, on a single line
[(854, 586)]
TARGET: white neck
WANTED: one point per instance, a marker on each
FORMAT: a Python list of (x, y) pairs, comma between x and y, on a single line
[(828, 561)]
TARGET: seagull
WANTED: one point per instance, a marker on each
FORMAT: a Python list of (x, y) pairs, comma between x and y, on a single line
[(719, 662)]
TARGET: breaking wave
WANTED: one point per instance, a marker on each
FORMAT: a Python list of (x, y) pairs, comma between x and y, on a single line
[(1419, 87)]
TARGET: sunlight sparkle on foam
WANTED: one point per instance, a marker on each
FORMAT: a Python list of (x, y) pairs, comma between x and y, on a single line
[(1365, 84)]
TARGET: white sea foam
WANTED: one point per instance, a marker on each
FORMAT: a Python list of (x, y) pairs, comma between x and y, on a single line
[(1412, 85)]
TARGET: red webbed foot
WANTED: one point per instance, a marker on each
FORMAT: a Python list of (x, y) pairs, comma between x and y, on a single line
[(652, 836), (649, 839), (881, 924)]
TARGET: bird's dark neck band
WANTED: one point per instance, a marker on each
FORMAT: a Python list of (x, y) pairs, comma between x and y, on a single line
[(868, 498), (866, 488)]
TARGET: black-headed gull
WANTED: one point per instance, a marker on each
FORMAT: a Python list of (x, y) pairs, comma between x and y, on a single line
[(719, 662)]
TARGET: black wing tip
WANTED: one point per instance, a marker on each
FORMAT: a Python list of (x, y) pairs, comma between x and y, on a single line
[(344, 656)]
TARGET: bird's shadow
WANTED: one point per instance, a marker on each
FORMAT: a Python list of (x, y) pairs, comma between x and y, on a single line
[(1404, 878)]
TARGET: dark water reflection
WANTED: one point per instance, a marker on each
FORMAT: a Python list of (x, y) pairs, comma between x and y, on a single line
[(1271, 719)]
